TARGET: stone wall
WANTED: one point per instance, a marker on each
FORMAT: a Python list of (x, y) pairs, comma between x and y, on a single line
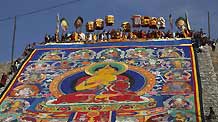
[(209, 80)]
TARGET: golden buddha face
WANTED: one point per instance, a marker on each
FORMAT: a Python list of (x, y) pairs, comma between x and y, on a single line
[(103, 76), (106, 70)]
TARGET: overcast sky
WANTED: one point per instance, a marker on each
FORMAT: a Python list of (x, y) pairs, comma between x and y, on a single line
[(32, 28)]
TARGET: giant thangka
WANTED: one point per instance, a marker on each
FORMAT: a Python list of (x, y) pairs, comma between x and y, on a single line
[(148, 81)]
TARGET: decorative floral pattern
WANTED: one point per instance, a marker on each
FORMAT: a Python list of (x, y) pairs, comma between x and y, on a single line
[(108, 83)]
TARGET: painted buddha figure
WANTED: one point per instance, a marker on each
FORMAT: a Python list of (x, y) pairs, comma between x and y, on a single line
[(98, 76), (118, 91), (103, 76), (104, 82)]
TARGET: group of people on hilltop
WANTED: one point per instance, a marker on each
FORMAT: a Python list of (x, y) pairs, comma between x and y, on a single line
[(16, 64), (200, 39), (112, 35)]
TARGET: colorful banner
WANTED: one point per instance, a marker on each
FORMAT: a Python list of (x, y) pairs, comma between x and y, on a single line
[(124, 82)]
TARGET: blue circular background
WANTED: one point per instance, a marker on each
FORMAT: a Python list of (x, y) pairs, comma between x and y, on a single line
[(137, 81)]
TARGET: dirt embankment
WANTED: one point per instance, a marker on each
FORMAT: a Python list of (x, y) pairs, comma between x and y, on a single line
[(4, 67)]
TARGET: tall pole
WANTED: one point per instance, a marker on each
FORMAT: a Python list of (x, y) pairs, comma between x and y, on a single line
[(13, 42), (208, 25)]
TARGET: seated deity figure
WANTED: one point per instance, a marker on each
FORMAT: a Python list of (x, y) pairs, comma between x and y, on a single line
[(101, 77), (104, 85)]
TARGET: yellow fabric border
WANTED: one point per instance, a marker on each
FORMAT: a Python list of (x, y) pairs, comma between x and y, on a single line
[(198, 108)]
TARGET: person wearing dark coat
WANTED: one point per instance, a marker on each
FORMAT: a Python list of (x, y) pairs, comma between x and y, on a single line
[(213, 45), (211, 115), (3, 80)]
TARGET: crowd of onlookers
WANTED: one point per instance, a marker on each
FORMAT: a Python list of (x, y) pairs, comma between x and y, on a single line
[(15, 65), (113, 35), (200, 39)]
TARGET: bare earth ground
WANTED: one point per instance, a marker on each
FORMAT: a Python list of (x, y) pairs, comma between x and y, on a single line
[(4, 67)]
